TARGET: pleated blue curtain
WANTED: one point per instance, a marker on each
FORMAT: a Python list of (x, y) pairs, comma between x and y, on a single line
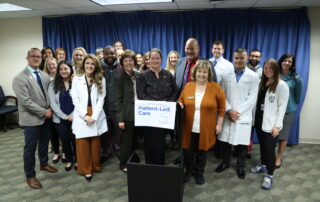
[(273, 31)]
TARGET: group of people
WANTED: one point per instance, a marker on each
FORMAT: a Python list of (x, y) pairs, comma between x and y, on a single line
[(89, 105)]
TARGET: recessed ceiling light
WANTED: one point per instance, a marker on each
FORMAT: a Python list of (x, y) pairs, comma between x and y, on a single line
[(118, 2), (11, 7)]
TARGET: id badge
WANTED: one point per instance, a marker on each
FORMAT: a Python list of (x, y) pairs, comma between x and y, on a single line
[(190, 98), (262, 107)]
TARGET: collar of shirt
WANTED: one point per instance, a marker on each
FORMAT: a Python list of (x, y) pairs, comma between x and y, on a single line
[(239, 74), (31, 70), (254, 68), (286, 77)]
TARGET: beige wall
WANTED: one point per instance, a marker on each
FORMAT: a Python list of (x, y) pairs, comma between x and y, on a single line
[(18, 35), (310, 121)]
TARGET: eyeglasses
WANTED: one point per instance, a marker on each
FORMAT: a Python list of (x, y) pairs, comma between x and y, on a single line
[(35, 56)]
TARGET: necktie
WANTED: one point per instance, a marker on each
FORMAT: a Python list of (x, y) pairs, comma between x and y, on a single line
[(39, 81), (186, 73), (214, 63)]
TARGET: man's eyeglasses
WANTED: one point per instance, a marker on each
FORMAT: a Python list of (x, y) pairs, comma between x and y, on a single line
[(35, 56)]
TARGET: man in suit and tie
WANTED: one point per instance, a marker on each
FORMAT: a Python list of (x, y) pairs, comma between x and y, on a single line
[(30, 87), (184, 65)]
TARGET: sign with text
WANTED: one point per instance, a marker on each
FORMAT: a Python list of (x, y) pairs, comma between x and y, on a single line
[(158, 114)]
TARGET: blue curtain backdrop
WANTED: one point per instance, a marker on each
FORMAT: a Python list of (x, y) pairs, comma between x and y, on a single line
[(273, 31)]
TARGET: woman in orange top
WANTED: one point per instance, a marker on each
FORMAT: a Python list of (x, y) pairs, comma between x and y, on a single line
[(203, 101)]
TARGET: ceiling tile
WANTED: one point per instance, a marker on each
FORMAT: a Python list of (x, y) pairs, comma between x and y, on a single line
[(36, 4), (91, 9), (275, 3), (62, 11), (132, 7), (159, 6), (194, 5), (73, 3), (307, 3), (236, 4)]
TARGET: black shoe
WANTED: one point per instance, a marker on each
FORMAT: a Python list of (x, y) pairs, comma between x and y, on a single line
[(200, 179), (56, 160), (221, 167), (68, 168), (177, 161), (88, 178), (75, 167), (241, 173), (63, 160)]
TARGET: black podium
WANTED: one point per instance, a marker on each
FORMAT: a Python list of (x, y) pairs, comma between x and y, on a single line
[(154, 183)]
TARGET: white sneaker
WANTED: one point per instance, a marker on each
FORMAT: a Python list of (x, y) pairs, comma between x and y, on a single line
[(267, 182), (259, 169)]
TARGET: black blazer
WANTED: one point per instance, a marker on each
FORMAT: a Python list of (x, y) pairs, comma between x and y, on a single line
[(124, 97)]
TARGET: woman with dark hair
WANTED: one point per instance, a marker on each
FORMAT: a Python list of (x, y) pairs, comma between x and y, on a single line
[(89, 120), (61, 54), (205, 104), (119, 45), (46, 52), (287, 64), (156, 84), (62, 106), (139, 58), (270, 109), (125, 96)]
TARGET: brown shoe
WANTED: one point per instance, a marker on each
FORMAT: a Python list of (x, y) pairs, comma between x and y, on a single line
[(49, 169), (34, 183)]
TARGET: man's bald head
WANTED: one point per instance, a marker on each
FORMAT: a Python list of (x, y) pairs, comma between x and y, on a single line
[(192, 48)]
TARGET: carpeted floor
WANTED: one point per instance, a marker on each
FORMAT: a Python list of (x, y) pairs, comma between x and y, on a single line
[(297, 180)]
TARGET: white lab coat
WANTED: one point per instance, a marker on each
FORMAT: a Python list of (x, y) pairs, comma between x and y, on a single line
[(275, 105), (241, 96), (222, 67), (79, 94)]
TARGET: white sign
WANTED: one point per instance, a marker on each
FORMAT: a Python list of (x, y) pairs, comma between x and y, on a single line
[(158, 114)]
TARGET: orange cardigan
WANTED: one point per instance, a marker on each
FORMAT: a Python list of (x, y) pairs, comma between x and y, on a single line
[(213, 104)]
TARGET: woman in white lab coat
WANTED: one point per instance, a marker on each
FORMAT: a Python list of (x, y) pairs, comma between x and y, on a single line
[(270, 109), (89, 120)]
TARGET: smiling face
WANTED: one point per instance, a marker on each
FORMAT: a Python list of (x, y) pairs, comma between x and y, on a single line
[(118, 45), (109, 55), (47, 54), (202, 74), (34, 58), (217, 50), (89, 66), (61, 55), (52, 66), (139, 59), (254, 58), (155, 60), (173, 59), (78, 57), (268, 71), (128, 64), (286, 64), (191, 49), (65, 71)]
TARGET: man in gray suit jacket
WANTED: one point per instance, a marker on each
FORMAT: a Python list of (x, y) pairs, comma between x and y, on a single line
[(31, 89)]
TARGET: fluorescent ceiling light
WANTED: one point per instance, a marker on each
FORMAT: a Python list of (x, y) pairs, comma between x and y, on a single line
[(118, 2), (11, 7)]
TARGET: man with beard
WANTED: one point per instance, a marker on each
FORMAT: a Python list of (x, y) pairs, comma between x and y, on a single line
[(111, 70), (254, 60)]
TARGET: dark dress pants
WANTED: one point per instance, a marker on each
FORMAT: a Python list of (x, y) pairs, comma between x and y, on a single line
[(54, 139), (112, 139), (267, 149), (194, 159), (68, 139), (36, 136), (154, 145), (129, 144), (241, 151)]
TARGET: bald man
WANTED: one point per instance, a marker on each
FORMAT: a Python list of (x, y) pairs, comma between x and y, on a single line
[(184, 65)]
